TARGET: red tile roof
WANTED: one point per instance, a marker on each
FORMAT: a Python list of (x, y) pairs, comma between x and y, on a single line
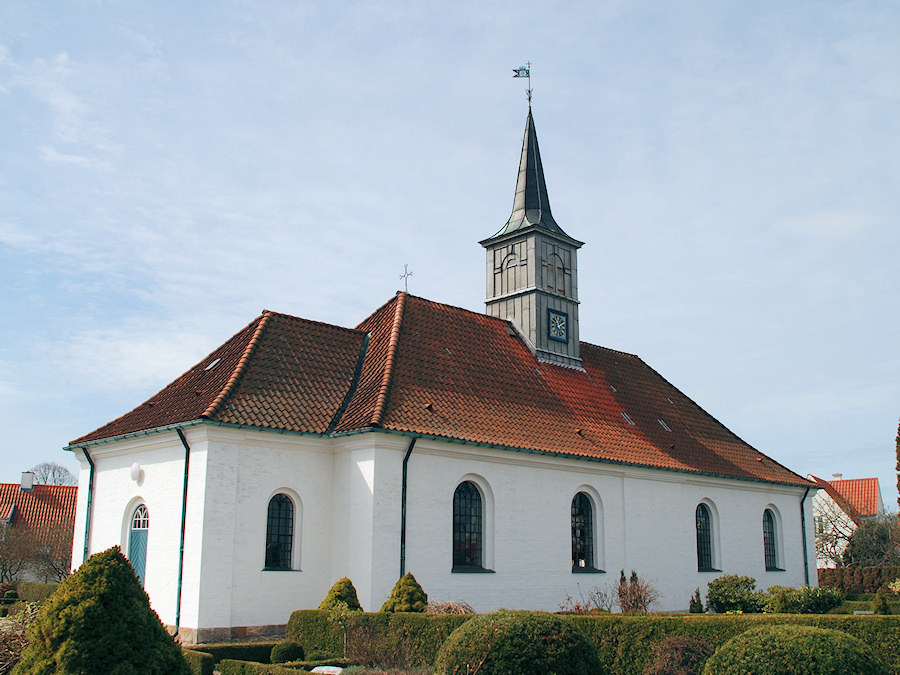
[(863, 494), (420, 367), (48, 510), (838, 499)]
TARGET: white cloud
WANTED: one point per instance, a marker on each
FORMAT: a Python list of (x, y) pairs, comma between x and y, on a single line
[(50, 154)]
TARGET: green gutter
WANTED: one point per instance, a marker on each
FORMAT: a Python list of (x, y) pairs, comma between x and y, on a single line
[(87, 511)]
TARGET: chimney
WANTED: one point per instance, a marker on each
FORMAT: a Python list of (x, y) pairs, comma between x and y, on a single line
[(837, 476), (27, 484)]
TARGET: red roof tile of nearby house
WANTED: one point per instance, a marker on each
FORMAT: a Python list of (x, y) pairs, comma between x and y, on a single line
[(48, 510), (862, 493), (421, 367), (838, 499)]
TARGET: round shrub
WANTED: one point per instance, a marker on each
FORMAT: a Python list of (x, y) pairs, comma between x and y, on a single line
[(678, 655), (793, 649), (284, 652), (342, 592), (407, 596), (518, 643), (733, 593), (99, 621)]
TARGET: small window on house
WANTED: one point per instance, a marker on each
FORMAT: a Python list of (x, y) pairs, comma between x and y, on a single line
[(279, 533), (770, 545), (704, 539), (820, 524), (663, 424), (628, 419), (468, 528)]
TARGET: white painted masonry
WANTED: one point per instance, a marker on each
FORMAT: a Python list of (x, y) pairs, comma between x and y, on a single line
[(346, 492)]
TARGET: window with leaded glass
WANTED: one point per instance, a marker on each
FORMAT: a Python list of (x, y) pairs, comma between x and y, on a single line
[(467, 527), (704, 539), (769, 546), (279, 533), (582, 533)]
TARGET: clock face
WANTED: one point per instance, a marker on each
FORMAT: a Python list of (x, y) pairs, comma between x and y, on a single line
[(559, 326)]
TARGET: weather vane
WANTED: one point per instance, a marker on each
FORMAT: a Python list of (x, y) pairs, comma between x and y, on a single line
[(405, 276), (525, 71)]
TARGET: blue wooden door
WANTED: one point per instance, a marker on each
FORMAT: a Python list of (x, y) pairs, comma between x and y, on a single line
[(137, 541)]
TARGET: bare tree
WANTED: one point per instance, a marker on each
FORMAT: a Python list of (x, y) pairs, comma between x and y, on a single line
[(51, 473), (833, 531), (53, 554), (17, 552)]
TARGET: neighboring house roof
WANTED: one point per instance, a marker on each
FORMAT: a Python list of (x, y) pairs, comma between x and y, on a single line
[(420, 367), (48, 510), (862, 493), (838, 499)]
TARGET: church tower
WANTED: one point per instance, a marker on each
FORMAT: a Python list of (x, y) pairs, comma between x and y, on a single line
[(532, 267)]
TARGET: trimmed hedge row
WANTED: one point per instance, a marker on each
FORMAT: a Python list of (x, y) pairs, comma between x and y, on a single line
[(858, 579), (33, 591), (234, 667), (321, 636), (199, 662), (625, 643), (248, 651)]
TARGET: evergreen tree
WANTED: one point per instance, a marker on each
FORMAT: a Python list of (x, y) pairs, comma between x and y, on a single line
[(99, 621), (407, 596), (342, 592)]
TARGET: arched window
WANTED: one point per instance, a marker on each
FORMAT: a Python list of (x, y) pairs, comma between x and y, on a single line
[(137, 540), (770, 547), (704, 539), (468, 527), (279, 533), (582, 533)]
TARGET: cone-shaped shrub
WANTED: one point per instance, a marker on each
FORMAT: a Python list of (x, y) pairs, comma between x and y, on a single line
[(407, 596), (518, 643), (342, 592), (793, 649), (99, 621)]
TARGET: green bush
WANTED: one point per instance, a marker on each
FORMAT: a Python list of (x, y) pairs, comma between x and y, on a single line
[(518, 643), (696, 604), (625, 643), (792, 649), (284, 652), (858, 579), (10, 596), (805, 600), (33, 591), (342, 591), (733, 593), (100, 621), (321, 637), (393, 640), (880, 603), (407, 596), (235, 667), (239, 651), (678, 655), (200, 663)]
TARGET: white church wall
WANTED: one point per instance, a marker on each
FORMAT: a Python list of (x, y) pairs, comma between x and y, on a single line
[(247, 469), (648, 525), (116, 495)]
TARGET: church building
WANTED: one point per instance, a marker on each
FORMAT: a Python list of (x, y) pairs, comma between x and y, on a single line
[(496, 456)]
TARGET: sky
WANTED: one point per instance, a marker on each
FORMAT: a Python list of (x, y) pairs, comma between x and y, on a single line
[(168, 170)]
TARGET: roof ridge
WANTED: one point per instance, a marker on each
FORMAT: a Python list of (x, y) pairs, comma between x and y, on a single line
[(381, 399), (239, 368)]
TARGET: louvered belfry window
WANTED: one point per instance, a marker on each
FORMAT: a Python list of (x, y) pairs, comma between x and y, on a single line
[(467, 526)]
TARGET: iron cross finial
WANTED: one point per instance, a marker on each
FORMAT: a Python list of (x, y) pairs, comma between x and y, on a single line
[(405, 276)]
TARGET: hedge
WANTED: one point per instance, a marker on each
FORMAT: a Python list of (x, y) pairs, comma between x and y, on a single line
[(625, 643), (199, 662), (858, 579), (33, 591), (321, 636), (247, 651), (235, 667)]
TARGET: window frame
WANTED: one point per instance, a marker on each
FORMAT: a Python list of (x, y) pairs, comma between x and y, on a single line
[(278, 520), (771, 547), (588, 526), (706, 540)]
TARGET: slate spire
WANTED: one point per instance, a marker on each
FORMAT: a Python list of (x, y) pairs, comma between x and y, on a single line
[(531, 206)]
